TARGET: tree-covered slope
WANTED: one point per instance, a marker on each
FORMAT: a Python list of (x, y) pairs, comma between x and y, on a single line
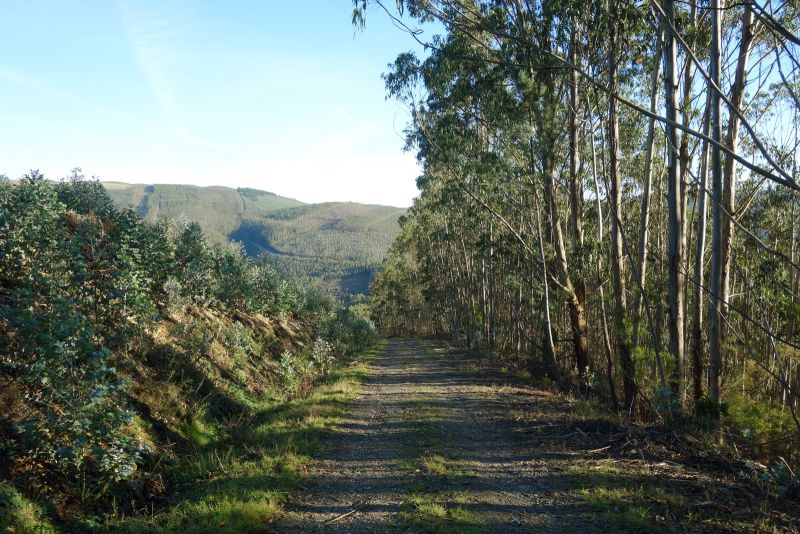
[(142, 365), (339, 244), (218, 210)]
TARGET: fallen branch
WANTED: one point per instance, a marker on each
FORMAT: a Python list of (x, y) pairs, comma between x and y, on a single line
[(342, 516)]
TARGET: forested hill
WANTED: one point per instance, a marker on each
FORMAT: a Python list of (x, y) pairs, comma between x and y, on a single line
[(338, 244)]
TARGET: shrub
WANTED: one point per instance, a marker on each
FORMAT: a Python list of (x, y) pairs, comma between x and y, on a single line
[(289, 372), (81, 285), (322, 355), (68, 296)]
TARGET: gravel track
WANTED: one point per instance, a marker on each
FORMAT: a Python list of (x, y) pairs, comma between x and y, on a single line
[(419, 404)]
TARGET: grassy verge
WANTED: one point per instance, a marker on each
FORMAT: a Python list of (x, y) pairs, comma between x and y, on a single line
[(239, 484), (624, 502), (632, 497), (19, 514)]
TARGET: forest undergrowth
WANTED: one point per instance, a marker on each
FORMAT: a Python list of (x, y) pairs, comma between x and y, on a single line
[(683, 474)]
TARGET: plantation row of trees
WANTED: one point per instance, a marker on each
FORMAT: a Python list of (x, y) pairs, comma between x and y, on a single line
[(610, 190), (85, 290)]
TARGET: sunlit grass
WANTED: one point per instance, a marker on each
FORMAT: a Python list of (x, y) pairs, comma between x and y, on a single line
[(440, 512), (240, 483), (628, 503), (440, 465), (20, 515), (199, 432), (436, 464)]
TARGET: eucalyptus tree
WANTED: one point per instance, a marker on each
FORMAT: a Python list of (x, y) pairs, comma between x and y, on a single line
[(737, 92), (674, 200), (533, 97), (522, 101)]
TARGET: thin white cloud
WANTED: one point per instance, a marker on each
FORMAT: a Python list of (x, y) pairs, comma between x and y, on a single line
[(156, 31), (349, 119)]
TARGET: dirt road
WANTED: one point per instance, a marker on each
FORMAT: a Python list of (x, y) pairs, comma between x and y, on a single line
[(431, 446)]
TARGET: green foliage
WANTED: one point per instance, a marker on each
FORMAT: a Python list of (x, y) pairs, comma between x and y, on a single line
[(526, 168), (322, 356), (72, 292), (194, 262), (86, 290), (758, 420), (290, 371), (20, 515), (341, 336), (707, 411), (780, 478), (348, 333)]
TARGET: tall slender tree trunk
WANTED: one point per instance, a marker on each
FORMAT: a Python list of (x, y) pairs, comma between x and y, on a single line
[(647, 194), (623, 339), (556, 234), (674, 208), (547, 325), (546, 128), (580, 328), (794, 275), (729, 171), (612, 388), (554, 228), (699, 271), (715, 310), (491, 339), (685, 163)]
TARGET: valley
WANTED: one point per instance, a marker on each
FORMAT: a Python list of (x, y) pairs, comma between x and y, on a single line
[(339, 245)]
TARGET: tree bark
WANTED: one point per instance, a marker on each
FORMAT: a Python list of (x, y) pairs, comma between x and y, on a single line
[(630, 391), (729, 171), (576, 301), (612, 388), (715, 310), (644, 221), (699, 272), (675, 222)]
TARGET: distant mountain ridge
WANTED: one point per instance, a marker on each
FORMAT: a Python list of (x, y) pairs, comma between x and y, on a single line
[(340, 244)]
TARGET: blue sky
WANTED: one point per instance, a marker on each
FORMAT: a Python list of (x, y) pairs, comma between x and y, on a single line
[(280, 96)]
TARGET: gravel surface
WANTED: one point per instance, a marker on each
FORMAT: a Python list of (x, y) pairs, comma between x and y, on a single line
[(428, 430)]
